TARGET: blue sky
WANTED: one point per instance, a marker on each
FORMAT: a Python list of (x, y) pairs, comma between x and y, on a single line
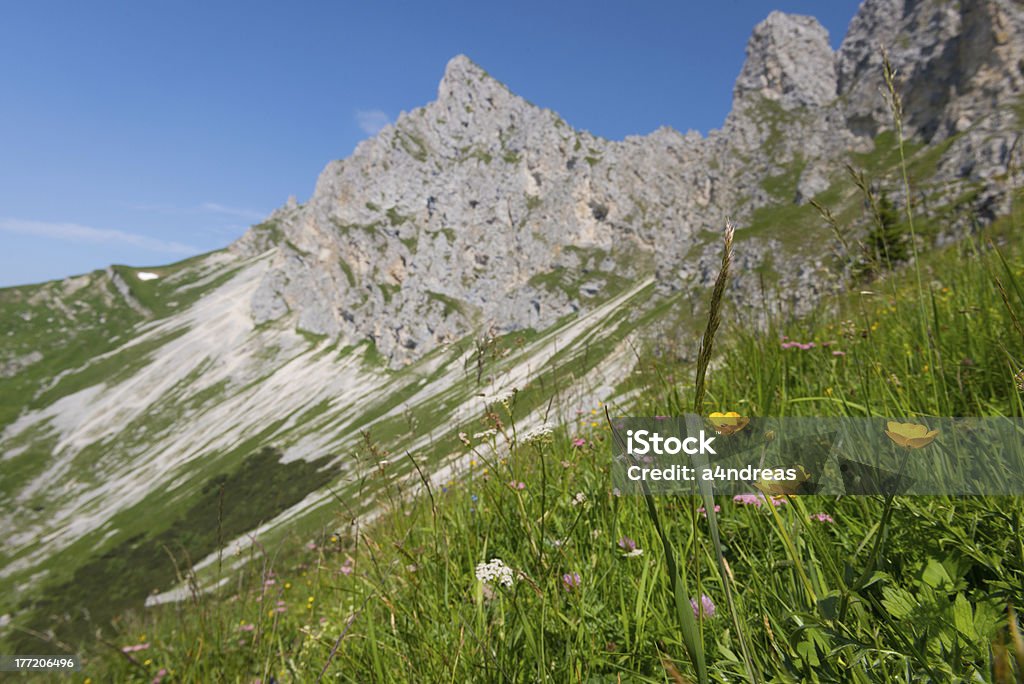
[(143, 132)]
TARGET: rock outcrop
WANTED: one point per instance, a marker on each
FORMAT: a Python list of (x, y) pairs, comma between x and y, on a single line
[(481, 211)]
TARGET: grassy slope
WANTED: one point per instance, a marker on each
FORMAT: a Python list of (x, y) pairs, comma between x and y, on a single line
[(402, 596), (160, 536)]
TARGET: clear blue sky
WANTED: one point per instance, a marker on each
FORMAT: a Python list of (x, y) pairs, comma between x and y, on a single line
[(142, 132)]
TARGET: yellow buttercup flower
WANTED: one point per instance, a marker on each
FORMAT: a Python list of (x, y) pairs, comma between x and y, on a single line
[(728, 423), (910, 435)]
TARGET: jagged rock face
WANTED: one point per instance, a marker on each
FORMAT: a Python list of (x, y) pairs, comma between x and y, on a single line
[(956, 63), (481, 211), (789, 60), (464, 213)]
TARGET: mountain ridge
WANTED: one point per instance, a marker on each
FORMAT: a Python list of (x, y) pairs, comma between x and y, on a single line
[(415, 178)]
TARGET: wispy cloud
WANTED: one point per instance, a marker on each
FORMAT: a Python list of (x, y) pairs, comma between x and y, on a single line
[(73, 232), (372, 120), (204, 208), (247, 214)]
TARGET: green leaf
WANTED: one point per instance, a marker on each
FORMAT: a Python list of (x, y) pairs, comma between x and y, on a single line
[(963, 617), (899, 602), (935, 575), (807, 651), (828, 605)]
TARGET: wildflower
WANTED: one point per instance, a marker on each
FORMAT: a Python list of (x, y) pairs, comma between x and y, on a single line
[(464, 438), (910, 435), (706, 607), (629, 546), (134, 648), (704, 512), (823, 517), (311, 546), (749, 499), (571, 581), (758, 500), (838, 353), (579, 499), (539, 435), (517, 485), (616, 492), (579, 442), (248, 627), (1019, 379), (495, 572), (566, 464), (160, 674), (728, 423)]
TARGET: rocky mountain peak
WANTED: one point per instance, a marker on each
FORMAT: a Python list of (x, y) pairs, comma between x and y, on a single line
[(460, 72), (466, 83), (790, 61)]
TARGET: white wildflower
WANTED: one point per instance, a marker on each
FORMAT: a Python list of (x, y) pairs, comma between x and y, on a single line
[(542, 434), (579, 499), (495, 572)]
